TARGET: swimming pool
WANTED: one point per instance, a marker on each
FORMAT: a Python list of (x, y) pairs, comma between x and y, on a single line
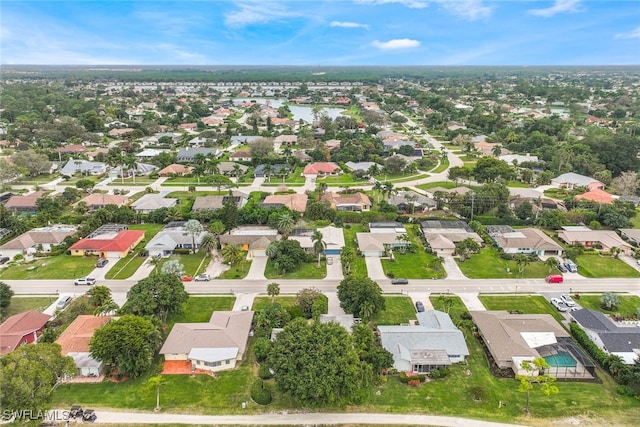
[(561, 360)]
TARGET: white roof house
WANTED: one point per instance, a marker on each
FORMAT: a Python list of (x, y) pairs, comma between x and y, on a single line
[(85, 167), (152, 202)]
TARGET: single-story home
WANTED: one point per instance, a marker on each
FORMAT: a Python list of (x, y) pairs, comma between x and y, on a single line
[(217, 202), (345, 320), (149, 153), (24, 204), (514, 338), (357, 202), (332, 237), (286, 139), (631, 234), (38, 239), (321, 169), (518, 158), (232, 168), (72, 149), (173, 236), (442, 236), (215, 346), (362, 166), (20, 329), (434, 343), (141, 169), (175, 170), (606, 239), (151, 202), (75, 343), (377, 244), (596, 195), (621, 341), (83, 167), (295, 202), (108, 243), (410, 201), (573, 180), (187, 154), (523, 241), (96, 201), (241, 156), (277, 169), (251, 238)]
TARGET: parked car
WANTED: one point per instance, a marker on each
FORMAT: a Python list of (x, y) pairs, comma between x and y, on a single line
[(554, 278), (85, 281), (559, 304), (204, 277), (419, 306), (562, 268), (75, 411), (89, 415), (63, 302), (244, 308), (3, 260), (102, 262), (187, 278), (399, 281), (568, 300), (571, 266)]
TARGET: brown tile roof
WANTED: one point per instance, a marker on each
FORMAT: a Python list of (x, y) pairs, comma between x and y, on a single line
[(14, 329), (28, 201), (76, 338), (346, 199), (295, 202), (98, 199), (176, 169)]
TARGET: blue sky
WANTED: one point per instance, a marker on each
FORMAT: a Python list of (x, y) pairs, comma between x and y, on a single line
[(321, 32)]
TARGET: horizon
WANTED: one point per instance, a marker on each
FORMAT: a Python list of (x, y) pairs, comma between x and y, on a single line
[(320, 33)]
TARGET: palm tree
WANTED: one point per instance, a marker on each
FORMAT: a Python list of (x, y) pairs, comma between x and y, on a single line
[(273, 290), (322, 188), (522, 261), (155, 382), (318, 244), (193, 228), (497, 150), (347, 257), (231, 253), (552, 263), (208, 243), (404, 239), (211, 166), (268, 170), (132, 164), (378, 187), (388, 189), (285, 224), (237, 170), (609, 301), (374, 170), (272, 250)]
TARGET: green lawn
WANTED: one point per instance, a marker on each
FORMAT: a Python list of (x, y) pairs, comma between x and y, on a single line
[(488, 265), (194, 264), (344, 178), (139, 181), (450, 304), (198, 309), (359, 266), (237, 271), (36, 180), (636, 219), (443, 166), (517, 184), (75, 178), (259, 303), (593, 265), (629, 304), (58, 267), (22, 304), (307, 270), (397, 310), (418, 265), (530, 304), (125, 267)]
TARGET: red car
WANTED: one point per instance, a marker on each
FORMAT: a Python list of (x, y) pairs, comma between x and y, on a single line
[(554, 278), (187, 278)]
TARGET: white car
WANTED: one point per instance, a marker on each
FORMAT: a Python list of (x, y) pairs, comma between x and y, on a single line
[(204, 277), (85, 281), (568, 300), (559, 304)]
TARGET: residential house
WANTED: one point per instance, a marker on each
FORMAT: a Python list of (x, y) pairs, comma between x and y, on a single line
[(357, 202), (75, 339), (188, 126), (72, 149), (120, 132), (442, 236), (232, 168), (244, 139), (173, 236), (364, 167), (538, 204), (596, 239), (187, 154), (241, 156), (108, 241), (217, 202), (596, 195), (512, 339), (332, 237), (251, 238), (410, 201), (278, 169), (21, 329), (215, 346), (573, 180), (175, 170), (37, 240), (24, 204), (152, 202), (295, 202), (140, 169), (631, 199), (83, 167), (96, 201), (321, 169), (518, 159), (523, 241), (631, 234), (434, 343), (287, 140), (618, 340), (149, 153), (382, 237)]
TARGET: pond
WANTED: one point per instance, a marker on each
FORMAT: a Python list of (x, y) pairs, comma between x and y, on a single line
[(300, 112)]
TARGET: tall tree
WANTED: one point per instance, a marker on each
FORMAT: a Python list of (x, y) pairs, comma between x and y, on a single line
[(232, 253), (194, 229), (173, 267), (318, 244), (128, 343), (159, 296), (154, 383), (317, 364), (273, 290), (285, 224), (360, 296), (347, 258), (534, 375), (29, 374), (5, 298), (99, 295)]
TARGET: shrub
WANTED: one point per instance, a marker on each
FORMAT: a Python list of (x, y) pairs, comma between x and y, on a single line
[(414, 382), (439, 373), (262, 348), (476, 392), (260, 393), (182, 251), (264, 372)]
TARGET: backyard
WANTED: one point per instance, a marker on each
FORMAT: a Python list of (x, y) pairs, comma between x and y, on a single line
[(57, 267), (410, 265), (594, 265), (489, 265), (398, 310)]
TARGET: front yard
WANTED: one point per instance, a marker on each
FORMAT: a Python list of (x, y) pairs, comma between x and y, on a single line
[(629, 304), (488, 265), (359, 266), (58, 267), (528, 304), (237, 271), (398, 310), (127, 266), (198, 309), (418, 265), (193, 264), (21, 304), (594, 265), (259, 303), (307, 270)]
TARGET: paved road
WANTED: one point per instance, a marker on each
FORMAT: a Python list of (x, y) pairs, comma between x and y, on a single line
[(308, 419)]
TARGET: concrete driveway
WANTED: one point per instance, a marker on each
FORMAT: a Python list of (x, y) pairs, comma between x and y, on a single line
[(334, 270), (243, 300), (374, 268), (334, 303), (256, 271), (452, 269)]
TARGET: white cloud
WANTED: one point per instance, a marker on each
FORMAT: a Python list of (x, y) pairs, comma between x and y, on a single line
[(466, 9), (257, 13), (560, 6), (396, 44), (412, 4), (633, 34), (341, 24)]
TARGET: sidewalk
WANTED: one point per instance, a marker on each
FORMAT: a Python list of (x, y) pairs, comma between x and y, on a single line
[(471, 301)]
